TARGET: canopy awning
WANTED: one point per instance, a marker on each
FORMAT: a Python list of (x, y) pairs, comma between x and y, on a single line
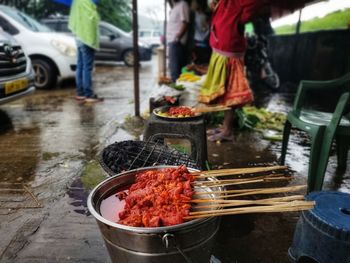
[(281, 8)]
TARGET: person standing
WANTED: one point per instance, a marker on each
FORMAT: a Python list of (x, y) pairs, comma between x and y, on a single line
[(201, 50), (225, 83), (84, 23), (176, 36)]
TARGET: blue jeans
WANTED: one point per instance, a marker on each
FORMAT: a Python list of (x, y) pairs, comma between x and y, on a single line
[(177, 59), (85, 64)]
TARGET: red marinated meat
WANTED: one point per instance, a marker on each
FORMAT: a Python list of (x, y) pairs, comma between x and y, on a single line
[(181, 110), (158, 198), (121, 195)]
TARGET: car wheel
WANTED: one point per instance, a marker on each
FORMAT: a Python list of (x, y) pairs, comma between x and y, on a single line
[(45, 74), (128, 58)]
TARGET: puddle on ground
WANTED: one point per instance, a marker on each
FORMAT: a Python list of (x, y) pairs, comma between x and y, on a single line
[(47, 156), (20, 154), (92, 175), (79, 190), (134, 126)]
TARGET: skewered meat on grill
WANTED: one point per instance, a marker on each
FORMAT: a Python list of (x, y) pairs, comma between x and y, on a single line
[(158, 198)]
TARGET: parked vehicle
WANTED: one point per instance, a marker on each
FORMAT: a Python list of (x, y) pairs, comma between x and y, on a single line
[(16, 72), (151, 37), (53, 54), (115, 44), (259, 68)]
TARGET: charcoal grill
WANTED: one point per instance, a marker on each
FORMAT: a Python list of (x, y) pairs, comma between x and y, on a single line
[(129, 155)]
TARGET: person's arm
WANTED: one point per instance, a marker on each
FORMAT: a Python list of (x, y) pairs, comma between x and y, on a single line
[(185, 18), (182, 31), (213, 5)]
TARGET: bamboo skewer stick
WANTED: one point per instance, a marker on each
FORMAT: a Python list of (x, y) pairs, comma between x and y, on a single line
[(244, 170), (238, 180), (266, 201), (270, 191), (210, 109), (271, 210), (289, 207), (295, 203), (263, 180), (226, 172), (228, 201), (33, 196), (242, 192)]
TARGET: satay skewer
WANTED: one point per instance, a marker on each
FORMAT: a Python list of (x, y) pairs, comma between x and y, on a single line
[(210, 109), (263, 180), (288, 207), (267, 201), (242, 192), (220, 181), (293, 203), (236, 171)]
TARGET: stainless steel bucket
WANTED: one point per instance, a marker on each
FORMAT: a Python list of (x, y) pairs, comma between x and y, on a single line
[(191, 241)]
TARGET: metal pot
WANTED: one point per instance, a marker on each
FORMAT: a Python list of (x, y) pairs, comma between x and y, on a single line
[(188, 242)]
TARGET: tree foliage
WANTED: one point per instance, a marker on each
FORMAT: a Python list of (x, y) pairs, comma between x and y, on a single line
[(334, 20), (117, 12)]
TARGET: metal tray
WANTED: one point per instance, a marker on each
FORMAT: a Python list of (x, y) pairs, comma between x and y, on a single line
[(166, 108)]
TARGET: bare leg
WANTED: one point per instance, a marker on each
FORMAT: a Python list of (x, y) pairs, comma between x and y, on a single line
[(227, 128), (226, 134)]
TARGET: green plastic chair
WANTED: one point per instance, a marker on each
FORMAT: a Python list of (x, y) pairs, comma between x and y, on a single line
[(322, 127)]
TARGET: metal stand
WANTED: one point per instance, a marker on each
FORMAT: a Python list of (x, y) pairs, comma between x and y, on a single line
[(192, 130)]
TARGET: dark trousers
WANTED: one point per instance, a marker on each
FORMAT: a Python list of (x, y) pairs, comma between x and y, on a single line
[(85, 65), (177, 59)]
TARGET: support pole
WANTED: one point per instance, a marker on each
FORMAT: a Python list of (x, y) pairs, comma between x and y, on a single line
[(297, 29), (165, 40), (295, 68), (136, 58)]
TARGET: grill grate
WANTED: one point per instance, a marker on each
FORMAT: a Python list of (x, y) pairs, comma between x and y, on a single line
[(128, 155)]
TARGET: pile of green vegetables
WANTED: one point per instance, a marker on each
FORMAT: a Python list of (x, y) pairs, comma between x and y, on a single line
[(270, 124), (177, 87)]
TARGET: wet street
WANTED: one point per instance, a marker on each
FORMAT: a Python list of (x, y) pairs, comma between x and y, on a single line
[(46, 140), (48, 163)]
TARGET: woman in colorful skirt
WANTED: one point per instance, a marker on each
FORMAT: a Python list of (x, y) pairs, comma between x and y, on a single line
[(225, 83)]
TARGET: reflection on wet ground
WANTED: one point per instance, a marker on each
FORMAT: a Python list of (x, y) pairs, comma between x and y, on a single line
[(46, 139), (19, 155), (50, 141)]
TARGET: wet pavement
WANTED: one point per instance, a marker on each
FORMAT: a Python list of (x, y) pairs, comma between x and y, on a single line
[(49, 143)]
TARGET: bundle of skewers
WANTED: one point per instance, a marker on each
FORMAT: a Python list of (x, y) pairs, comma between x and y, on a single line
[(239, 201), (170, 196), (208, 109)]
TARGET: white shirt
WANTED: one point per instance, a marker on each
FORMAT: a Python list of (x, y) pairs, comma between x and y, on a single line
[(179, 13), (201, 27)]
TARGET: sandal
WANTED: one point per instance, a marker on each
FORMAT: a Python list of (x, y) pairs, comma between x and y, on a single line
[(93, 98), (220, 137), (77, 97)]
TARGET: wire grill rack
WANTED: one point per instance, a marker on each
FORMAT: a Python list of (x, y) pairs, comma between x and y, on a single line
[(128, 155)]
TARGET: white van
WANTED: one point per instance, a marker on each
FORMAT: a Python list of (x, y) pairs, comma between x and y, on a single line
[(53, 54), (151, 37)]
